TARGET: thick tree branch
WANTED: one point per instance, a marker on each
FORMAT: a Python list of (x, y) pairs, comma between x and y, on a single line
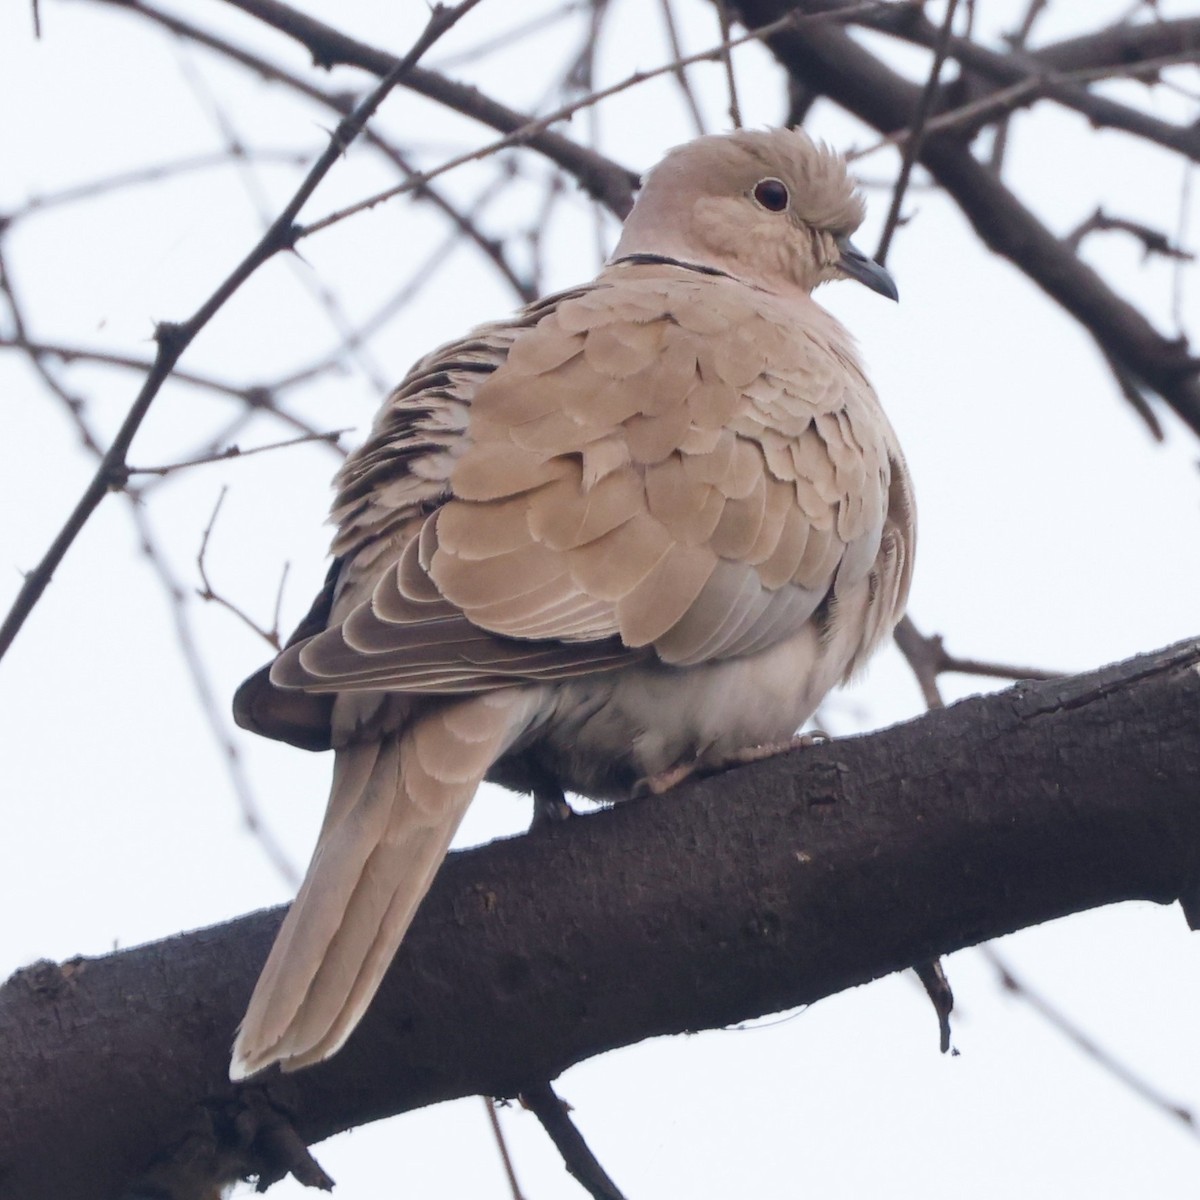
[(1123, 43), (784, 882)]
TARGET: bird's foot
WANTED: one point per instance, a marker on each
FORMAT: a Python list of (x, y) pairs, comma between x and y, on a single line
[(664, 781), (550, 807), (752, 754)]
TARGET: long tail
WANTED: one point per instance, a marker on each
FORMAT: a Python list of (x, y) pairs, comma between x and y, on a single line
[(393, 809)]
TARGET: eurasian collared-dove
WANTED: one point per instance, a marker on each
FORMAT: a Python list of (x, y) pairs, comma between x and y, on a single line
[(644, 523)]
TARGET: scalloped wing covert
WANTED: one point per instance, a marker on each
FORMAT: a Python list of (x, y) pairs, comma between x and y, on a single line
[(660, 462)]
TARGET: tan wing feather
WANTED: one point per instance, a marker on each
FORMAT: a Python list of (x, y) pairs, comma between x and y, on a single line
[(688, 537)]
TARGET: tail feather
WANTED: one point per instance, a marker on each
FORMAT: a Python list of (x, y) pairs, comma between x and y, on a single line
[(376, 958), (394, 808)]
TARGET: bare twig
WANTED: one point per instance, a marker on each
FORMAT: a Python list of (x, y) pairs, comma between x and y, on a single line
[(465, 224), (975, 114), (1153, 241), (324, 299), (603, 179), (528, 131), (154, 174), (735, 109), (916, 131), (933, 979), (277, 611), (271, 636), (343, 105), (20, 341), (1012, 67), (510, 37), (157, 173), (214, 713), (502, 1145), (237, 452), (1089, 1046), (1181, 234), (685, 86), (581, 1163), (920, 654), (1018, 40), (256, 398), (992, 670), (541, 220), (173, 339), (177, 602), (928, 658), (418, 278), (580, 77)]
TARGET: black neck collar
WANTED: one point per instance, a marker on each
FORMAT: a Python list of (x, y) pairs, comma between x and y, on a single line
[(666, 260)]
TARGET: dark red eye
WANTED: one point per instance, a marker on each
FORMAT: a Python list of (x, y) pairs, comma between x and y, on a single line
[(771, 194)]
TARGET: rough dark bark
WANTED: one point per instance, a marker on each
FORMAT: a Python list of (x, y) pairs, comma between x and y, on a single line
[(732, 897)]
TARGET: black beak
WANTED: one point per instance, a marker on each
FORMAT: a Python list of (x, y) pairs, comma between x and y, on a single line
[(866, 270)]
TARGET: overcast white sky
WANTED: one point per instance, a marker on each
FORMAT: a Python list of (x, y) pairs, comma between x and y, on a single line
[(1053, 531)]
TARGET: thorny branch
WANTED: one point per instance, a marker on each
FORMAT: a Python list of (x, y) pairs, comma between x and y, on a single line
[(173, 339), (254, 398), (237, 452)]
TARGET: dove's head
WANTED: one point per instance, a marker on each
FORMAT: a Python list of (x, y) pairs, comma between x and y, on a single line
[(771, 207)]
